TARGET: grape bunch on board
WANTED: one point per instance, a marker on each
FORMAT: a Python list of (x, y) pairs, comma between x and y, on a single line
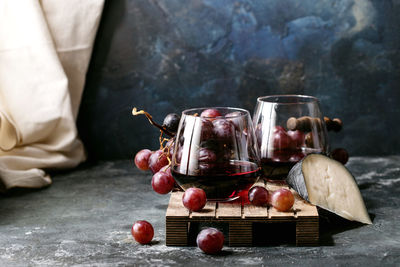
[(209, 240)]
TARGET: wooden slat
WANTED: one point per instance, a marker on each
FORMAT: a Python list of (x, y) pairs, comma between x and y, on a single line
[(251, 211), (207, 212), (240, 219), (175, 207), (302, 207), (275, 186), (231, 210), (272, 212), (260, 182), (240, 234)]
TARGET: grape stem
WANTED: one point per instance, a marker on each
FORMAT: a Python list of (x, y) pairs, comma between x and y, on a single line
[(150, 118)]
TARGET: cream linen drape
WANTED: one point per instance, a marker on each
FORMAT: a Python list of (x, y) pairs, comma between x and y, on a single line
[(45, 47)]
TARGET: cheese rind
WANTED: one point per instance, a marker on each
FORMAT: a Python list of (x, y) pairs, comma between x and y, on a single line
[(326, 183)]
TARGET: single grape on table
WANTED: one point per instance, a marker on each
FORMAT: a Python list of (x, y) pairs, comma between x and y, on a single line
[(142, 232), (259, 196), (282, 199), (210, 240)]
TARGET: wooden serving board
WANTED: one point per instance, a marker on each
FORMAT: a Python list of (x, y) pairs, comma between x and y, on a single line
[(241, 218)]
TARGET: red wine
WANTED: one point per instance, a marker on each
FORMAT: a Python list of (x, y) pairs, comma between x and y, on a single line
[(276, 170), (220, 181), (278, 165)]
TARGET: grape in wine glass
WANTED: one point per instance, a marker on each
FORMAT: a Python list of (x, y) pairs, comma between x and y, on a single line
[(210, 113), (216, 152)]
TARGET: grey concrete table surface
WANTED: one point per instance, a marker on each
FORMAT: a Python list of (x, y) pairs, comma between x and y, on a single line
[(85, 217)]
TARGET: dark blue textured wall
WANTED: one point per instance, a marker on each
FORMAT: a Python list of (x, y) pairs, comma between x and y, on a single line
[(165, 56)]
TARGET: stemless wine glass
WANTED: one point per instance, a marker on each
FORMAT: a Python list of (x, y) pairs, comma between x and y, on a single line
[(287, 127), (216, 150)]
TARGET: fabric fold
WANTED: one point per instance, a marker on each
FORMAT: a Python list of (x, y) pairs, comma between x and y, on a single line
[(42, 77), (9, 135)]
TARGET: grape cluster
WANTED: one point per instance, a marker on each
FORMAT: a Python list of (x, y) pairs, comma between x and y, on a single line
[(281, 199), (158, 161), (287, 145), (209, 240)]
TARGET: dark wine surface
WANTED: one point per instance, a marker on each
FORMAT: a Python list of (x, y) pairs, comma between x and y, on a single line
[(276, 170), (221, 181)]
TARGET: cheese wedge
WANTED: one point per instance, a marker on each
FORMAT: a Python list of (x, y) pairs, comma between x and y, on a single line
[(326, 183)]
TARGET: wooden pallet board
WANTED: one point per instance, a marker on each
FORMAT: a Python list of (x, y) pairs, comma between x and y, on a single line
[(240, 219)]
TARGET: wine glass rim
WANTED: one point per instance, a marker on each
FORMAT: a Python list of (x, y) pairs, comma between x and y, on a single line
[(187, 111), (301, 99)]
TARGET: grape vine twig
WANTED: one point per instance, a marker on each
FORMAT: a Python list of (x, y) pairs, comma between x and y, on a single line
[(150, 118)]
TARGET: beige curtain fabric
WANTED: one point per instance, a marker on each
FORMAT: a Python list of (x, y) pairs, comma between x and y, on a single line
[(45, 47)]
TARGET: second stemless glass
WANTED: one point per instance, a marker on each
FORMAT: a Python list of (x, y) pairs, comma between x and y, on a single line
[(288, 127), (215, 149)]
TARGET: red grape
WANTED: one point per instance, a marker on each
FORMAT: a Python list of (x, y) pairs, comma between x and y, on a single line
[(279, 128), (142, 231), (210, 113), (194, 199), (282, 140), (166, 169), (207, 155), (210, 240), (162, 182), (223, 129), (206, 129), (297, 137), (258, 196), (142, 159), (282, 199), (340, 154), (157, 160)]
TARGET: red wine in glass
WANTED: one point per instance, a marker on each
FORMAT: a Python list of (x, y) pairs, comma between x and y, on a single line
[(221, 181), (280, 149), (216, 151)]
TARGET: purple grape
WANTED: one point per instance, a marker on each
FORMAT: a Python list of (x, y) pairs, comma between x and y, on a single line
[(171, 122), (210, 240), (206, 129), (258, 196), (223, 129), (210, 113), (207, 155)]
